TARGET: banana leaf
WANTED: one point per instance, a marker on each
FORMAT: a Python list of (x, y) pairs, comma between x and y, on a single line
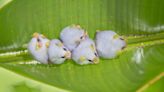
[(139, 67)]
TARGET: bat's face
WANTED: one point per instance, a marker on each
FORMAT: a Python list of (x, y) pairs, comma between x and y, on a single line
[(80, 37), (58, 53), (89, 56), (86, 53), (40, 41), (38, 47)]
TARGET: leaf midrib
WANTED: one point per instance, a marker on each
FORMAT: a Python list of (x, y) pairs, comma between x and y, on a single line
[(132, 42)]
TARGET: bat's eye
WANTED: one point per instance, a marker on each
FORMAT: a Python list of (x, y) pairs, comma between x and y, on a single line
[(123, 47), (96, 55), (89, 60), (65, 49), (62, 57), (38, 40), (81, 37), (121, 39)]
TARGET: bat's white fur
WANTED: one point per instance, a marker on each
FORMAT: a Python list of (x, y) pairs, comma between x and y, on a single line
[(56, 52), (85, 51), (70, 36), (108, 46), (40, 54)]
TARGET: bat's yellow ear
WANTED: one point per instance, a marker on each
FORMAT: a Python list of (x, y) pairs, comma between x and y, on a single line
[(82, 58), (78, 26), (59, 44), (43, 36), (97, 31), (96, 60), (47, 44), (73, 25), (115, 36), (92, 47), (86, 33), (35, 35)]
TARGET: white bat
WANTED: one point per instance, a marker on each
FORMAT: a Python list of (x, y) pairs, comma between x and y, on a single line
[(71, 36), (108, 44), (85, 53), (38, 47)]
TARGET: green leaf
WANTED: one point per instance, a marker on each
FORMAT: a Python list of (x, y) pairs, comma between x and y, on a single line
[(140, 22), (4, 2), (12, 82)]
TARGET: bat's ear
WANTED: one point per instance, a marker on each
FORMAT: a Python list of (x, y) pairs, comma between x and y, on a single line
[(35, 35), (97, 31), (59, 44), (78, 26), (47, 44), (73, 25), (92, 47), (86, 33), (115, 36), (96, 60), (43, 36), (82, 58)]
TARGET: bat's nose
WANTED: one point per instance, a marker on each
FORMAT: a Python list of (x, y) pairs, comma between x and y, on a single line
[(96, 60), (38, 45), (67, 55)]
